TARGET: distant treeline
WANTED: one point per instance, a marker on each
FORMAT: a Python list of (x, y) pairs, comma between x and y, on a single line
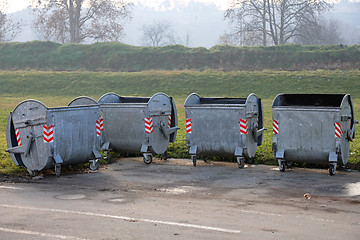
[(39, 55)]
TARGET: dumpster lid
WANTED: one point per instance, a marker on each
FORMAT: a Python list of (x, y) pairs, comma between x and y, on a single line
[(82, 101), (194, 98), (308, 100), (115, 98)]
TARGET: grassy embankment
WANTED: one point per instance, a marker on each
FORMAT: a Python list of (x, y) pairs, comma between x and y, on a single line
[(121, 57), (59, 88)]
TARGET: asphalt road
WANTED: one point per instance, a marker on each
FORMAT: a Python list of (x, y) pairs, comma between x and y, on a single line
[(174, 200)]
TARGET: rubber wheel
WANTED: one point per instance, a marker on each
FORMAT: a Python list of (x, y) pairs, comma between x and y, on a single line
[(31, 173), (250, 160), (194, 160), (282, 166), (108, 156), (332, 170), (57, 170), (164, 155), (241, 164), (94, 165), (148, 159)]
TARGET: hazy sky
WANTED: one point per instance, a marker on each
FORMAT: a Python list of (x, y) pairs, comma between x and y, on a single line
[(15, 5)]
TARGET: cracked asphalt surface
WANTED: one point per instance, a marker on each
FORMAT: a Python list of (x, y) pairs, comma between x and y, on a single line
[(174, 200)]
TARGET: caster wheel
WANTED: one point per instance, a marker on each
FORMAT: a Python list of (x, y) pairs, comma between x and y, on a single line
[(332, 170), (107, 156), (194, 160), (57, 170), (164, 156), (148, 159), (31, 173), (94, 165), (250, 160), (282, 166), (240, 162)]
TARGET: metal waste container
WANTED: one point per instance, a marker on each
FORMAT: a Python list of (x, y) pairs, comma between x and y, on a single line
[(224, 126), (39, 137), (313, 128), (138, 124)]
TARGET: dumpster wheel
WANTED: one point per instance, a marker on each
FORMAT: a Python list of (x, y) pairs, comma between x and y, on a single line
[(57, 170), (193, 158), (94, 165), (148, 158), (332, 169), (240, 162), (32, 173), (164, 156), (282, 165)]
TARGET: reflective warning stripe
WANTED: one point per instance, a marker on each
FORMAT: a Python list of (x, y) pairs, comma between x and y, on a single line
[(188, 125), (275, 127), (169, 121), (101, 122), (148, 125), (48, 133), (338, 130), (18, 137), (98, 130), (243, 126)]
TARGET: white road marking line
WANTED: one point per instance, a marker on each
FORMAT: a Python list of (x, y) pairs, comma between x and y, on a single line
[(13, 188), (323, 220), (188, 225), (9, 230), (261, 213)]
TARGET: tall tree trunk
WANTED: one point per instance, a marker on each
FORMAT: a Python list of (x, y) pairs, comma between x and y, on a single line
[(282, 19), (77, 21), (264, 23), (71, 21)]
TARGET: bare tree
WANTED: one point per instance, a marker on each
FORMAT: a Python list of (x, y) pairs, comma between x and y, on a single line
[(9, 29), (280, 20), (79, 20), (227, 39), (326, 32), (187, 40), (157, 34)]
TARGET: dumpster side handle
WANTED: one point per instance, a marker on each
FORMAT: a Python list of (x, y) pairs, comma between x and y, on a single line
[(167, 131), (23, 148), (351, 132)]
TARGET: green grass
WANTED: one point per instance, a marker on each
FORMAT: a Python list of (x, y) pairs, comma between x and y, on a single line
[(116, 56), (59, 88)]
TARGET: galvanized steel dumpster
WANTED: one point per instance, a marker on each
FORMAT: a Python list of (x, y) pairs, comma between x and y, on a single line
[(313, 128), (224, 126), (39, 137), (138, 124)]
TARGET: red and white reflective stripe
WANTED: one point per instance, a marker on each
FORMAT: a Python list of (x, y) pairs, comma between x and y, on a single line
[(169, 121), (148, 125), (48, 133), (101, 122), (338, 130), (243, 126), (275, 127), (188, 125), (18, 137), (98, 129)]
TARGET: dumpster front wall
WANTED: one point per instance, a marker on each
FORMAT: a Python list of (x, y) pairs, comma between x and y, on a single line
[(306, 134), (75, 135), (215, 132), (124, 126)]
